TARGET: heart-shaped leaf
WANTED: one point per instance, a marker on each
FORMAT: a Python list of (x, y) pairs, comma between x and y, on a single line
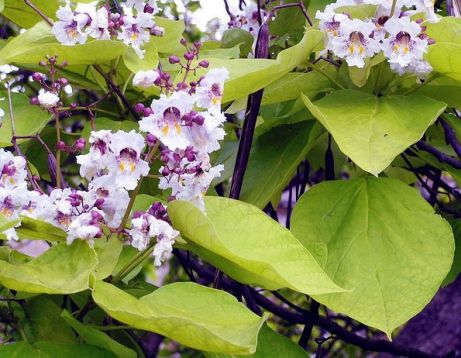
[(372, 130), (382, 239), (196, 316), (242, 241)]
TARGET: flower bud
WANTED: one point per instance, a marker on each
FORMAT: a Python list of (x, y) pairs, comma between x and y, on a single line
[(189, 56), (80, 144), (204, 63), (183, 42), (63, 81), (34, 101), (139, 108), (73, 105), (99, 203), (147, 112), (151, 139), (174, 59), (37, 77), (165, 171), (61, 145)]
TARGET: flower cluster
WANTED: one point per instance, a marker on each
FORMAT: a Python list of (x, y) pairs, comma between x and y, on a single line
[(182, 128), (187, 120), (391, 32), (15, 198), (74, 27), (248, 20)]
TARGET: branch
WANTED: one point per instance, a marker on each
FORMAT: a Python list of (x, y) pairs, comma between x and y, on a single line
[(441, 156), (39, 12), (450, 137), (117, 91), (373, 345)]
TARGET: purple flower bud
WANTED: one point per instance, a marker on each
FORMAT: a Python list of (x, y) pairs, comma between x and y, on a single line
[(189, 56), (34, 101), (99, 203), (139, 107), (63, 81), (197, 44), (73, 105), (63, 64), (52, 60), (80, 144), (204, 64), (37, 77), (165, 171), (42, 63), (183, 42), (149, 9), (151, 139), (61, 145), (165, 76), (174, 59), (147, 112), (181, 86), (199, 120), (430, 41)]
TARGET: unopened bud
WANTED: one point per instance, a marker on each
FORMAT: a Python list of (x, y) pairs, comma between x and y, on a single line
[(189, 56), (37, 77), (174, 59), (139, 107), (204, 63)]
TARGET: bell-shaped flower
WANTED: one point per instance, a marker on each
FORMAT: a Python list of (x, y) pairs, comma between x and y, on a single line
[(126, 165), (12, 170), (210, 91), (355, 44), (70, 27), (99, 28)]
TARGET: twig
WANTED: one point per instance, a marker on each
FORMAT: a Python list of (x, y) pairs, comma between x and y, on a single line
[(310, 317), (15, 143), (450, 137), (39, 12), (442, 157), (117, 91)]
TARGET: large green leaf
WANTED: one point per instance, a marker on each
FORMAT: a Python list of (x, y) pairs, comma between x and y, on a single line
[(97, 338), (23, 15), (33, 45), (43, 349), (28, 119), (242, 241), (270, 345), (292, 85), (44, 320), (443, 89), (380, 238), (108, 253), (445, 57), (448, 29), (60, 270), (274, 158), (372, 130), (33, 229), (249, 75), (196, 316)]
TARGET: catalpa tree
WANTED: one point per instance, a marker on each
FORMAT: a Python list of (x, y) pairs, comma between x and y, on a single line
[(283, 184)]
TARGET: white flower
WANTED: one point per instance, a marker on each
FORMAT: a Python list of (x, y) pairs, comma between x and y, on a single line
[(355, 44), (99, 28), (134, 33), (162, 251), (126, 165), (145, 78), (12, 170), (403, 46), (330, 23), (139, 5), (70, 28), (205, 138), (166, 123), (47, 99), (94, 163), (112, 201), (85, 227), (210, 90)]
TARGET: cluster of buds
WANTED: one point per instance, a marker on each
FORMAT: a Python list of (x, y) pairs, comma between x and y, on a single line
[(49, 96), (73, 27)]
